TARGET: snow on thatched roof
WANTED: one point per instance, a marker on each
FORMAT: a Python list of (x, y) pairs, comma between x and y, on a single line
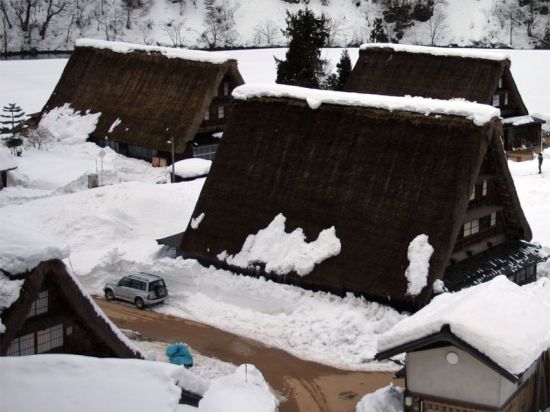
[(480, 114), (170, 52), (502, 320), (23, 248), (437, 51)]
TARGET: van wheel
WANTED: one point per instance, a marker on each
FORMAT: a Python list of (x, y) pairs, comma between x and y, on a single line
[(139, 303), (109, 295)]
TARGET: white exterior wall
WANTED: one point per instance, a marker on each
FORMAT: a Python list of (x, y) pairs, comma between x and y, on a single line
[(429, 373)]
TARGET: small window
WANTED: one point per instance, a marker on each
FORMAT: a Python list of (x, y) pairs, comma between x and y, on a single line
[(221, 112), (496, 100), (68, 331), (137, 284), (40, 305), (49, 339), (207, 114), (471, 228), (475, 226), (505, 99), (484, 188), (500, 83), (22, 346), (493, 218), (473, 195), (226, 89)]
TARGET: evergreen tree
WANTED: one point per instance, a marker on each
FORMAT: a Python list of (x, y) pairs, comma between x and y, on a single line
[(12, 117), (337, 81), (303, 65), (378, 33)]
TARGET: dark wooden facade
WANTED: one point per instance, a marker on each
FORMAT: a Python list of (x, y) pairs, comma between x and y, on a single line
[(52, 315)]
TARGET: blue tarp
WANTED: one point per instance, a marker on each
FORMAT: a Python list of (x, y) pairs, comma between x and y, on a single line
[(178, 354)]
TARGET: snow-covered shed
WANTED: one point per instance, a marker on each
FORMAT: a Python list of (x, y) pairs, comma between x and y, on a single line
[(7, 163), (43, 308), (382, 195), (149, 95), (486, 348), (446, 73)]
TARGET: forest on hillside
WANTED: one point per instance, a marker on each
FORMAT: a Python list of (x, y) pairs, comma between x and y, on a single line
[(30, 25)]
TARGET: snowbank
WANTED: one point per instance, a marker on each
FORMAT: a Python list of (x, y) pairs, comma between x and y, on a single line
[(284, 252), (519, 323), (419, 253), (387, 399), (68, 126), (170, 52), (194, 167), (7, 160), (69, 382), (244, 391), (480, 114), (23, 248), (438, 51)]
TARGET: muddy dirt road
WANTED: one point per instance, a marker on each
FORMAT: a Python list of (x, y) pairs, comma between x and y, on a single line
[(307, 386)]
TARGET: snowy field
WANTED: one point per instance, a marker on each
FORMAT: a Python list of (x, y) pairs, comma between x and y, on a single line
[(112, 230)]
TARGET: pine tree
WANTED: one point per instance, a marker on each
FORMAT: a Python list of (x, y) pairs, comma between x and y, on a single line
[(343, 69), (12, 118), (378, 33), (303, 65)]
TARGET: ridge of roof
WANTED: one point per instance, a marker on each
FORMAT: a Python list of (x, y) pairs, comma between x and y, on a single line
[(438, 51), (169, 52), (479, 114)]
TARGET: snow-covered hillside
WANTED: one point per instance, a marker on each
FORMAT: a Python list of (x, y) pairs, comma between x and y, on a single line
[(258, 23)]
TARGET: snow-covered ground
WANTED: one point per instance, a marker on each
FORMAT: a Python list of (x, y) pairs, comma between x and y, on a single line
[(112, 229)]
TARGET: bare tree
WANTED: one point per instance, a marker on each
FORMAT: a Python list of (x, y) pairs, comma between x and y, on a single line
[(5, 34), (134, 9), (220, 24), (437, 25), (509, 13), (54, 8), (5, 13), (336, 27), (175, 31), (23, 10), (39, 137), (266, 33)]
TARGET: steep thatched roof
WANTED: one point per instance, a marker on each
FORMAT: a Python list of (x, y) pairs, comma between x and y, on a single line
[(83, 309), (426, 71), (155, 92), (380, 177)]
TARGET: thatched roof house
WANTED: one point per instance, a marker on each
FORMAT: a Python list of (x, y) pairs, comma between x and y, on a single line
[(148, 95), (43, 308), (372, 172), (486, 348), (440, 73)]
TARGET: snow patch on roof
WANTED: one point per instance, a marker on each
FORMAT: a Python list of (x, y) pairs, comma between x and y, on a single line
[(480, 114), (193, 167), (9, 293), (519, 120), (169, 52), (419, 253), (23, 248), (519, 323), (7, 160), (69, 126), (438, 51), (284, 252), (195, 222)]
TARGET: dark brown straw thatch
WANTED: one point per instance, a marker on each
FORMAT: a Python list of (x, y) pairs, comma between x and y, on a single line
[(154, 96), (399, 73), (381, 178)]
